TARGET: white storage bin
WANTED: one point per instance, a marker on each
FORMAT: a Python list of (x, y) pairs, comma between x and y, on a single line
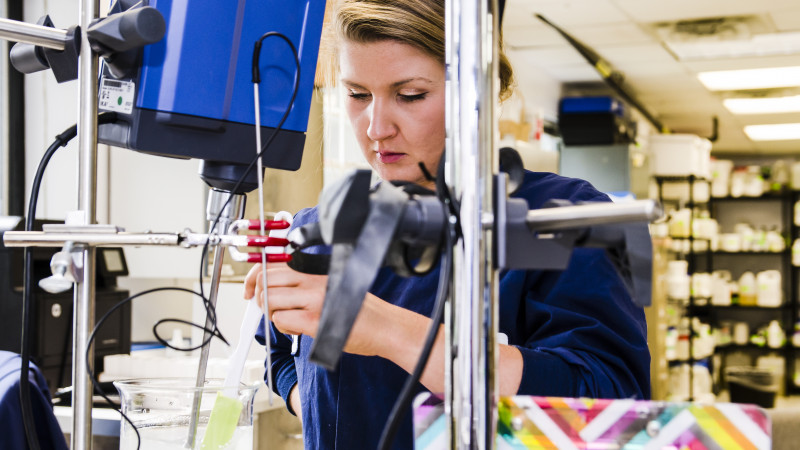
[(680, 155)]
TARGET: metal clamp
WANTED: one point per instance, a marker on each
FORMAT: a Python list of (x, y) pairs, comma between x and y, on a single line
[(232, 239)]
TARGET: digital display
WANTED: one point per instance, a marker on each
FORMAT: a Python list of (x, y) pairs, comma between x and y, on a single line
[(113, 260)]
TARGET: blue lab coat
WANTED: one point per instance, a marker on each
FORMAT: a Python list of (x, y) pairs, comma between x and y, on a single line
[(578, 330), (12, 431)]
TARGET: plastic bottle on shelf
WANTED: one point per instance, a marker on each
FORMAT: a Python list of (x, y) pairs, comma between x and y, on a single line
[(775, 335), (775, 241), (701, 287), (682, 346), (759, 240), (796, 252), (678, 281), (670, 346), (796, 335), (720, 288), (746, 235), (679, 223), (797, 210), (769, 288), (747, 289), (797, 372)]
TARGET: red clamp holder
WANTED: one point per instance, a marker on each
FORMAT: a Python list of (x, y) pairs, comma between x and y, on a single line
[(276, 245)]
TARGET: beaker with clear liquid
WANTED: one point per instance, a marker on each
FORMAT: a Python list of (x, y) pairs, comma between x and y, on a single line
[(161, 409)]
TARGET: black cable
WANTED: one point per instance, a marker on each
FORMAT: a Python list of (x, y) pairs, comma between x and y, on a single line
[(407, 393), (24, 383), (254, 161), (90, 369)]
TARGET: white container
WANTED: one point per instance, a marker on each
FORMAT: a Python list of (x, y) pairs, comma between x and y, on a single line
[(748, 293), (738, 182), (730, 242), (769, 288), (679, 190), (720, 288), (705, 228), (796, 253), (678, 280), (741, 333), (797, 213), (775, 335), (701, 284), (746, 236), (679, 223), (775, 242), (720, 177), (753, 182), (680, 155)]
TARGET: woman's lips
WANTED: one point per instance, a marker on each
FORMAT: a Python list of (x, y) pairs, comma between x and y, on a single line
[(390, 157)]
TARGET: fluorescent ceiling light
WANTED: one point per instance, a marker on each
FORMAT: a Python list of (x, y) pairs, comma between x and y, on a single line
[(716, 47), (765, 105), (773, 132), (734, 80)]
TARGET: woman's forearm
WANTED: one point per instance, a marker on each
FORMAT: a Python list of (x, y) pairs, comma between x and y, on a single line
[(402, 337), (294, 402)]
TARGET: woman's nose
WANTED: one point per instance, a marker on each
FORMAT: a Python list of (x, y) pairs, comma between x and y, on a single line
[(381, 124)]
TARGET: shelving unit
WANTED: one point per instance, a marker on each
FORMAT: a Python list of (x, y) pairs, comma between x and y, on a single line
[(785, 313), (793, 356), (781, 208), (689, 255)]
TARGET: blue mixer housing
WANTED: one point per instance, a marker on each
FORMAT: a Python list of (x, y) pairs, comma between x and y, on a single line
[(192, 93)]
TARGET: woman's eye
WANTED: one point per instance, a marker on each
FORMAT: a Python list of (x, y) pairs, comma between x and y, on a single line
[(412, 98), (358, 95)]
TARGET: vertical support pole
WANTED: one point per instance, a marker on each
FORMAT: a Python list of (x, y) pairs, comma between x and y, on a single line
[(83, 320), (471, 164), (227, 211)]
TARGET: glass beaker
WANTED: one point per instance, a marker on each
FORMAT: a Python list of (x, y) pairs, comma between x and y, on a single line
[(161, 408)]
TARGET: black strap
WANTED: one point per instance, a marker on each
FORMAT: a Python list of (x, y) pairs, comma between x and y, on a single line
[(353, 269)]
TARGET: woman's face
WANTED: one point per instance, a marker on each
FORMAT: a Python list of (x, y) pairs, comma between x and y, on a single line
[(396, 101)]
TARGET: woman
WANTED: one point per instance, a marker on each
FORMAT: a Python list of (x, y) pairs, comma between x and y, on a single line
[(571, 333)]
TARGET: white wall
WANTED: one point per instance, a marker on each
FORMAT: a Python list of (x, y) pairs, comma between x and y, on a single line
[(539, 92), (50, 108)]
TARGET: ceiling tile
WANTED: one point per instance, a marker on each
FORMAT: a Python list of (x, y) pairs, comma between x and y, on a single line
[(565, 13), (574, 73), (648, 11), (610, 34), (535, 34), (637, 53), (547, 56), (634, 70), (786, 20)]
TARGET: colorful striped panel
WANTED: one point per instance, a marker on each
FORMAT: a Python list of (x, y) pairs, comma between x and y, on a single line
[(526, 422)]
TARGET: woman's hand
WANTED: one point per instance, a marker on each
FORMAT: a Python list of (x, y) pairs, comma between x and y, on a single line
[(381, 329), (295, 305)]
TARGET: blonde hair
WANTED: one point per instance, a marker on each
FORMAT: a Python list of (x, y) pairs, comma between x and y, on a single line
[(419, 23)]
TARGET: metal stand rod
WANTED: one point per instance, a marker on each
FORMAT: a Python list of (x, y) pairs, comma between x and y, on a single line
[(232, 212), (42, 36), (87, 203), (581, 216), (40, 239), (470, 43)]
